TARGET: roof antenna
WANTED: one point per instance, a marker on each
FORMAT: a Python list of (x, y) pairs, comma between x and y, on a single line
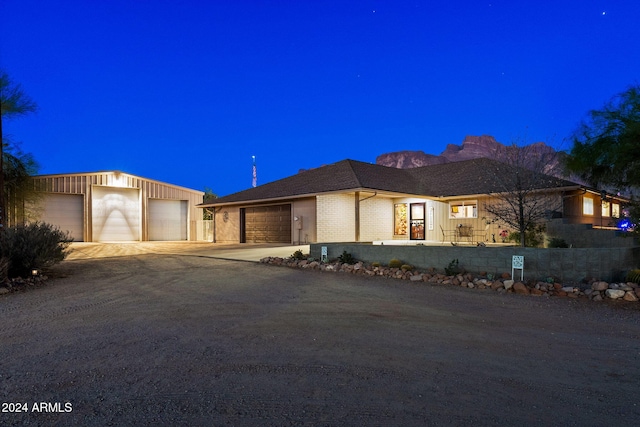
[(254, 180)]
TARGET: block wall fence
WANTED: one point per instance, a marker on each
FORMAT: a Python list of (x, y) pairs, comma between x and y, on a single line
[(565, 265)]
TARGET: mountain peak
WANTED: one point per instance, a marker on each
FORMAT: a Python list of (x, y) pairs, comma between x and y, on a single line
[(472, 147)]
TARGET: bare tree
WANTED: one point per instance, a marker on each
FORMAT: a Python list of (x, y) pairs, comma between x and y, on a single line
[(525, 194)]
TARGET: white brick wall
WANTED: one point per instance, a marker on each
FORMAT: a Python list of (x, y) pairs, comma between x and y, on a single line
[(376, 219), (336, 217)]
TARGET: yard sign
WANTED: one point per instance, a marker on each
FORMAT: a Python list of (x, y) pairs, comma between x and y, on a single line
[(517, 263)]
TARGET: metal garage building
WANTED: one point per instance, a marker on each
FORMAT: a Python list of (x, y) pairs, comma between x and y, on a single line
[(116, 207)]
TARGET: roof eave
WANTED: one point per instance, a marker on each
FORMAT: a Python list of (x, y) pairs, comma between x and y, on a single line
[(308, 195)]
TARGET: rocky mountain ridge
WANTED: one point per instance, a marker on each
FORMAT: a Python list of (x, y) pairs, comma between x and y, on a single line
[(472, 147)]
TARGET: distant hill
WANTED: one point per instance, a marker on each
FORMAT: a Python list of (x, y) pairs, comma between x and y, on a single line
[(473, 147)]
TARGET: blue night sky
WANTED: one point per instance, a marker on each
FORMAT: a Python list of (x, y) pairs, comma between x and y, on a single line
[(187, 91)]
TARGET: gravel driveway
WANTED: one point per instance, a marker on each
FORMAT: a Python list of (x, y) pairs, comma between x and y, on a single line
[(170, 339)]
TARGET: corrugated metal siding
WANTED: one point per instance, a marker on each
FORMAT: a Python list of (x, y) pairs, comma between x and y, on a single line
[(83, 182)]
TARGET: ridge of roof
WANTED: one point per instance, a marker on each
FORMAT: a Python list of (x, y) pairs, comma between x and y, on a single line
[(443, 180), (333, 177)]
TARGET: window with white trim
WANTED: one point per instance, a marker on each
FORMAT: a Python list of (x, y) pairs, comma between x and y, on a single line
[(465, 209), (606, 209)]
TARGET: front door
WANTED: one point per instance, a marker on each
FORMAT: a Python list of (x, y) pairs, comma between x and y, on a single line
[(417, 221)]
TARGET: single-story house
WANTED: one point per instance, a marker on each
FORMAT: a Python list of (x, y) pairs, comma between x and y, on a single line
[(353, 201), (116, 206)]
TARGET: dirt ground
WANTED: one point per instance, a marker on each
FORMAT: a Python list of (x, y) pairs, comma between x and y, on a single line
[(184, 339)]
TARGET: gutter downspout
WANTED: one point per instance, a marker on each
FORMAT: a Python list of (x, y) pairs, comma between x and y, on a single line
[(357, 213)]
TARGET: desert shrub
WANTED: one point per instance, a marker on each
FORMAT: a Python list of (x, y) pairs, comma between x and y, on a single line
[(298, 255), (347, 258), (375, 264), (534, 236), (4, 267), (395, 263), (406, 267), (33, 246), (556, 242), (634, 276), (452, 269)]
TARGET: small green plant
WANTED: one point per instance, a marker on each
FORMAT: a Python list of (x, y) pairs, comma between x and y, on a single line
[(375, 264), (33, 246), (634, 276), (395, 263), (347, 258), (298, 255), (406, 267), (452, 269), (556, 242)]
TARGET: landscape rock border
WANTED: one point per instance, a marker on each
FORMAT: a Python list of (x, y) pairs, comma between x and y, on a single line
[(18, 284), (595, 290)]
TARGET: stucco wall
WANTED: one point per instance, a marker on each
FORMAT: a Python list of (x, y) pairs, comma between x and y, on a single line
[(336, 217), (568, 265), (227, 225), (305, 209)]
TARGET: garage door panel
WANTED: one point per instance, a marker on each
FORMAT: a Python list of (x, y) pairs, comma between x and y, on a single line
[(168, 219), (66, 211), (115, 214), (268, 224)]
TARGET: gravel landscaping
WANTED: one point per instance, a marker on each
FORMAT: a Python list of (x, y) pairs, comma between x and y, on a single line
[(171, 339)]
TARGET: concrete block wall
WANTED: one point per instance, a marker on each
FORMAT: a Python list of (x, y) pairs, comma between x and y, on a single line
[(567, 265), (585, 236), (336, 218)]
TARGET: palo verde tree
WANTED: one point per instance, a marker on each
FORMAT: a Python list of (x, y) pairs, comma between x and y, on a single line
[(606, 146), (21, 199), (15, 166), (521, 196)]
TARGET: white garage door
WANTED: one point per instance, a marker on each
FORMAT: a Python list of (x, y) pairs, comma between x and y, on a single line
[(115, 214), (167, 219), (66, 211)]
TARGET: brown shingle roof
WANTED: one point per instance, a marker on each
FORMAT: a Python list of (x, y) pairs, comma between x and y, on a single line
[(480, 176), (449, 179), (343, 175)]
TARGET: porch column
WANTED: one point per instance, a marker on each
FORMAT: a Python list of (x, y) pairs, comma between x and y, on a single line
[(357, 214)]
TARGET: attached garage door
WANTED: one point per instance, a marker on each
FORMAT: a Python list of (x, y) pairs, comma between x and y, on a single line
[(67, 212), (268, 224), (167, 219), (115, 214)]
